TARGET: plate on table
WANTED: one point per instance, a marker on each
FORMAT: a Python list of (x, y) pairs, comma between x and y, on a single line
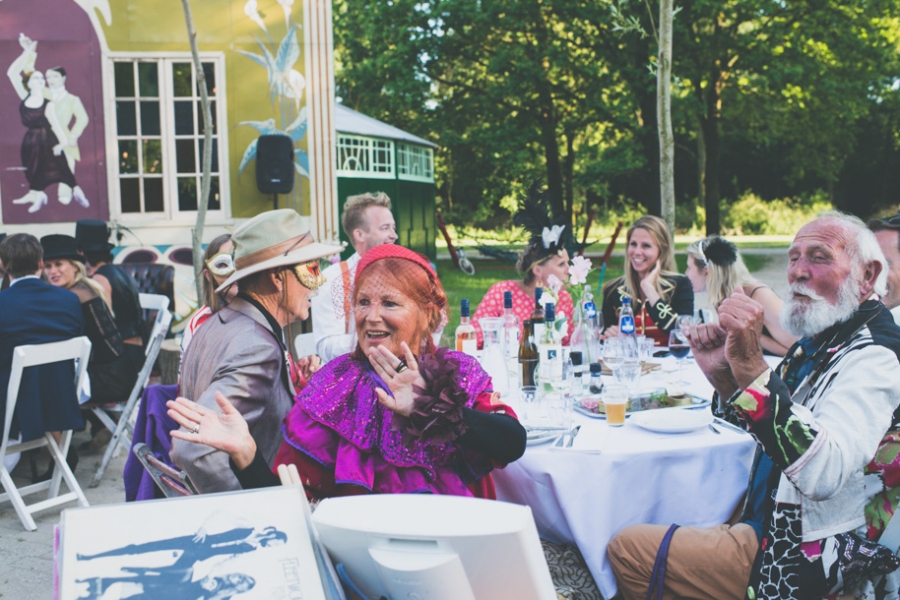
[(672, 421), (593, 409), (534, 437)]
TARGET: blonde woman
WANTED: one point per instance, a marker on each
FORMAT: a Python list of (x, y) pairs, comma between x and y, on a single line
[(111, 369), (715, 266), (658, 293)]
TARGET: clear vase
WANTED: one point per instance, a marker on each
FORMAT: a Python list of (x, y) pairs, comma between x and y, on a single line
[(585, 338), (493, 358)]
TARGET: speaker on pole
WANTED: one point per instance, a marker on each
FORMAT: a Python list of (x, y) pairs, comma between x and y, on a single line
[(275, 164)]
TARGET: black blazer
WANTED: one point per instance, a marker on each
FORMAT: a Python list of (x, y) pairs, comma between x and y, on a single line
[(35, 312)]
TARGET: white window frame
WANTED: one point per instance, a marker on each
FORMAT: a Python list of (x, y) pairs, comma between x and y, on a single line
[(369, 143), (172, 214), (411, 150)]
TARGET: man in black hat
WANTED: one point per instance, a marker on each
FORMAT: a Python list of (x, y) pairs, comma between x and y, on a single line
[(120, 286)]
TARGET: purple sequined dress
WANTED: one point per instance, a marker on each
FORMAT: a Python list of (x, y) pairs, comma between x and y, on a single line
[(338, 428)]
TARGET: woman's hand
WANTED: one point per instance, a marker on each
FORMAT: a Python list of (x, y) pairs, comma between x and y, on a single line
[(648, 284), (400, 376), (611, 331), (226, 430)]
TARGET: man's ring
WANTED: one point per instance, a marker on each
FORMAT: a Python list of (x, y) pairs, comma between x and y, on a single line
[(196, 429), (402, 366)]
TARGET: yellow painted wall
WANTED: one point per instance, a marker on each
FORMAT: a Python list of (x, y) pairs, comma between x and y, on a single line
[(222, 26)]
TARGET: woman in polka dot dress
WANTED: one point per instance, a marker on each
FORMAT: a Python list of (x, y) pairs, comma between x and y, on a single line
[(537, 263)]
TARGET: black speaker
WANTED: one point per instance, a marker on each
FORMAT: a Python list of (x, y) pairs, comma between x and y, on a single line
[(275, 164)]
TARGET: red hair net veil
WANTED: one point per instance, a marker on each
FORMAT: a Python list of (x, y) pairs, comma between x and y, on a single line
[(412, 275)]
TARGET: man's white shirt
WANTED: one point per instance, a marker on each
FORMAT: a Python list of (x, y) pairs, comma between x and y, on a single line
[(329, 326)]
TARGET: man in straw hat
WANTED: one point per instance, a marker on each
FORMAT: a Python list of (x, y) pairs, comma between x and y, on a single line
[(241, 353)]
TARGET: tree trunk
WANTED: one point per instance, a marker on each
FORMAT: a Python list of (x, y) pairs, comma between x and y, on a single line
[(549, 140), (701, 165), (569, 176), (206, 177), (710, 126), (664, 116)]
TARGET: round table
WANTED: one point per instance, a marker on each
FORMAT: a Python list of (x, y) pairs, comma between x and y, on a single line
[(615, 477)]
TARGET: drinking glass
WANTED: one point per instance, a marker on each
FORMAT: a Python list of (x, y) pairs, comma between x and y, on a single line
[(493, 359), (628, 374), (613, 354), (678, 346), (615, 399)]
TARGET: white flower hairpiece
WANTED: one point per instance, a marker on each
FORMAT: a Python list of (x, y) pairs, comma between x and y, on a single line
[(551, 235)]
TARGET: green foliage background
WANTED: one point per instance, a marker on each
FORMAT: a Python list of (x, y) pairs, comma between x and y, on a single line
[(771, 100)]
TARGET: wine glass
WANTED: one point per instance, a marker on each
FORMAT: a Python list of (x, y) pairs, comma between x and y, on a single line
[(678, 346)]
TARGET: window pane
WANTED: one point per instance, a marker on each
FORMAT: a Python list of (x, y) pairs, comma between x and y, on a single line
[(148, 79), (187, 193), (126, 122), (209, 72), (153, 194), (124, 75), (215, 154), (153, 157), (131, 196), (128, 158), (212, 109), (184, 156), (184, 118), (181, 79), (215, 202), (150, 118)]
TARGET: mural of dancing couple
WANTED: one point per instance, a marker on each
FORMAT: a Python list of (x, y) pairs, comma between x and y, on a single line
[(55, 119)]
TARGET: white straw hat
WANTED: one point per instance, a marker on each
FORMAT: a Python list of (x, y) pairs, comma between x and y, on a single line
[(276, 238)]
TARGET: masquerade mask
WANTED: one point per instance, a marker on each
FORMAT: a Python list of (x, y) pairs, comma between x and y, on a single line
[(309, 275), (221, 265)]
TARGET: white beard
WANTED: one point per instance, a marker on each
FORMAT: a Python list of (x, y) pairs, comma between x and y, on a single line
[(809, 317)]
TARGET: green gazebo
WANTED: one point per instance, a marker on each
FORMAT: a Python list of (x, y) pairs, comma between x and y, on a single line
[(376, 157)]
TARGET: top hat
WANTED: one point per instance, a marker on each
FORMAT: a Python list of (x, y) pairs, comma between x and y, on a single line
[(92, 236), (276, 238), (60, 246)]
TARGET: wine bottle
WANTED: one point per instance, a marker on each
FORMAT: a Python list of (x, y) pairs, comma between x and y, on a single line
[(550, 351), (466, 338), (510, 336), (537, 315), (528, 356)]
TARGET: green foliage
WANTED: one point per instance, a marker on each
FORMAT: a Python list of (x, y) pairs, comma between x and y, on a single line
[(753, 216), (797, 97)]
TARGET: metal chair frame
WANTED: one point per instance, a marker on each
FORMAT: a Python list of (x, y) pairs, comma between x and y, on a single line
[(122, 430)]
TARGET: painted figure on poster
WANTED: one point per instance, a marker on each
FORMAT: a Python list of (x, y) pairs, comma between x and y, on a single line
[(152, 585), (178, 576), (47, 149)]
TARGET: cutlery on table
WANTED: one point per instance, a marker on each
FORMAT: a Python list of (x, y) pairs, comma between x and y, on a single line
[(572, 435), (714, 430), (727, 425)]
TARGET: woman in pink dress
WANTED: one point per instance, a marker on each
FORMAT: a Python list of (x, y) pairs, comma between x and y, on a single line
[(539, 261)]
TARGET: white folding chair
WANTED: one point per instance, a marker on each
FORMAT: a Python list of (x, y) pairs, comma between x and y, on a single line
[(29, 356), (121, 430)]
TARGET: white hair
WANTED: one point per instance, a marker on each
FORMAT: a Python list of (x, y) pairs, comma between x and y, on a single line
[(863, 251)]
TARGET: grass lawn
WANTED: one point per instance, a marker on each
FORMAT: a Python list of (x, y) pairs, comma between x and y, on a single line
[(458, 285)]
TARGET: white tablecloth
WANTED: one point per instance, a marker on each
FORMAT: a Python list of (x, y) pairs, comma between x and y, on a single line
[(615, 477)]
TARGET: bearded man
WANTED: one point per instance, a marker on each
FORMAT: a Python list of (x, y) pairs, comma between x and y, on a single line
[(818, 419)]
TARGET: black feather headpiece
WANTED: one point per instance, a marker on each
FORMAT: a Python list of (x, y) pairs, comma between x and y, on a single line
[(547, 234), (719, 251)]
